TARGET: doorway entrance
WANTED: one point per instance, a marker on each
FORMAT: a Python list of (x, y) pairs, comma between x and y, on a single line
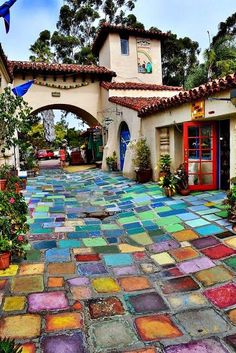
[(224, 153), (200, 154), (124, 140)]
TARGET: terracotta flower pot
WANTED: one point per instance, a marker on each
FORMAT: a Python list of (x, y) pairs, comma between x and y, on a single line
[(3, 184), (5, 259), (184, 192), (143, 175)]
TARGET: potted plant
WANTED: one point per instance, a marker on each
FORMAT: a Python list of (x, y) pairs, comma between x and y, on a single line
[(164, 165), (14, 183), (181, 176), (5, 252), (13, 223), (8, 345), (168, 183), (4, 174), (231, 202), (142, 161), (112, 162)]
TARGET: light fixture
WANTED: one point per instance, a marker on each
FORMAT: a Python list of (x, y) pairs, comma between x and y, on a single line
[(232, 98)]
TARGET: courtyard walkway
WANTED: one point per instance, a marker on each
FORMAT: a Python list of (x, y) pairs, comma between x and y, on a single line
[(117, 267)]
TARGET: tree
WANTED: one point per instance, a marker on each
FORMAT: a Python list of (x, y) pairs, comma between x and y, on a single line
[(42, 48), (15, 118), (77, 28), (197, 76), (226, 28), (179, 57)]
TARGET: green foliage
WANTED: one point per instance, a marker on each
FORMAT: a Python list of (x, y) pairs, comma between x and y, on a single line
[(13, 218), (112, 161), (142, 159), (42, 48), (14, 117), (4, 171), (181, 177), (226, 28), (179, 56), (7, 345), (197, 76), (164, 163), (77, 28)]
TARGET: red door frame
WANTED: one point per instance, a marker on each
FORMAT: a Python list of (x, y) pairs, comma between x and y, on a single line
[(212, 186)]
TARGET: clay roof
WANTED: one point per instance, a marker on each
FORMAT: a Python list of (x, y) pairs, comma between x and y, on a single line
[(138, 86), (135, 103), (107, 28), (44, 68), (5, 62), (147, 106), (194, 94)]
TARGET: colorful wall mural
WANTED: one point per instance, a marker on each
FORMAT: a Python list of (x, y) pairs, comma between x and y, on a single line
[(144, 56)]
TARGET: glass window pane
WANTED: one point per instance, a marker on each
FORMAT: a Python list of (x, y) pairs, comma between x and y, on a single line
[(194, 179), (206, 131), (206, 143), (193, 143), (194, 154), (206, 179), (124, 46), (206, 155), (193, 131), (206, 167)]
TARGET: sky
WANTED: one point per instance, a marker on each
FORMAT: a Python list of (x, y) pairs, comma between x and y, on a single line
[(184, 17)]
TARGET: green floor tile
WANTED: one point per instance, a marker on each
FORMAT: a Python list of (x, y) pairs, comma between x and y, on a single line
[(111, 249), (168, 220), (135, 230), (110, 226), (126, 220), (141, 239), (174, 228), (92, 242), (163, 209), (146, 215), (222, 214)]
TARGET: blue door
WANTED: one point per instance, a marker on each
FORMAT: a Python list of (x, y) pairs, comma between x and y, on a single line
[(124, 140)]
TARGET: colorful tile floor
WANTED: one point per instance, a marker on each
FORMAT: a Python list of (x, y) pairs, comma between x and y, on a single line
[(155, 275)]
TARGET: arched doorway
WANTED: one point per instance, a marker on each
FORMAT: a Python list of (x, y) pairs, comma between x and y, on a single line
[(124, 140)]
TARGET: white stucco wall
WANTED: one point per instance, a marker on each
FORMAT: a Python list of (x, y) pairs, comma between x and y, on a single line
[(86, 98), (126, 66)]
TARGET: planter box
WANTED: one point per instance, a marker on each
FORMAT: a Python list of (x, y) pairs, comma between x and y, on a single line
[(143, 175)]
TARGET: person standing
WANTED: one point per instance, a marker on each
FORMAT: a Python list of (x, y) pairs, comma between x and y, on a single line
[(62, 154)]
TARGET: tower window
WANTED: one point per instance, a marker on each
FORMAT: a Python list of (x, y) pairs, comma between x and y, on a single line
[(124, 43)]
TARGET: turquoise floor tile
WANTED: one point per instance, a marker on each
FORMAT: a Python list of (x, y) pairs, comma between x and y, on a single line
[(209, 230)]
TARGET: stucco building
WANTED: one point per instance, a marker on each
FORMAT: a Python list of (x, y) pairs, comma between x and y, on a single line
[(124, 94)]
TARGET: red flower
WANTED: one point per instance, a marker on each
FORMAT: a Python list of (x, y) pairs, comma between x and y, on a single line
[(20, 238), (12, 200)]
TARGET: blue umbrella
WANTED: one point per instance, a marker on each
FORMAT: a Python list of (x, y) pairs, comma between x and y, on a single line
[(5, 13)]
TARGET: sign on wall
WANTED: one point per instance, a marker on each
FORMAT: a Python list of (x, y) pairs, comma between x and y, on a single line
[(144, 56), (198, 110)]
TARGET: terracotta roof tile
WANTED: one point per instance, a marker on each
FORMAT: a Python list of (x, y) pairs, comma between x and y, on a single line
[(6, 63), (107, 28), (194, 94), (135, 103), (41, 67), (138, 86), (147, 106)]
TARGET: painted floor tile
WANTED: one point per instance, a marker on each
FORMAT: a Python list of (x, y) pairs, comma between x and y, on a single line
[(14, 303), (209, 345), (202, 322), (185, 235), (27, 284), (177, 285), (105, 285), (205, 242), (218, 252), (185, 253), (135, 283), (187, 300), (145, 303), (103, 334), (74, 343), (195, 265), (208, 230), (47, 301), (63, 321), (163, 258), (105, 307), (223, 296), (156, 328), (20, 326), (212, 276)]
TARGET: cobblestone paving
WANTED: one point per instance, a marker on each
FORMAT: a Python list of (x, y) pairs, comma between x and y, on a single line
[(156, 275)]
